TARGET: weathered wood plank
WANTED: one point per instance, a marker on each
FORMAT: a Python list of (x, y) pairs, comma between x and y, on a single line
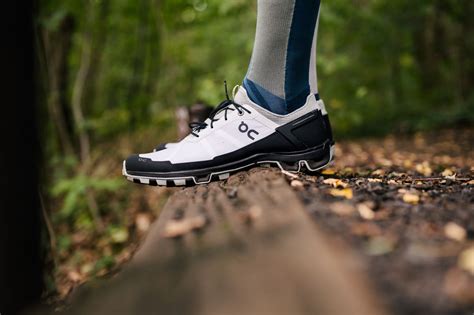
[(257, 254)]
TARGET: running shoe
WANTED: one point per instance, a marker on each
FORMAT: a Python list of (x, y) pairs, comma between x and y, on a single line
[(239, 134)]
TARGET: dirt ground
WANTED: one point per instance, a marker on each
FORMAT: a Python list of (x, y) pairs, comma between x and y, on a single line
[(406, 207)]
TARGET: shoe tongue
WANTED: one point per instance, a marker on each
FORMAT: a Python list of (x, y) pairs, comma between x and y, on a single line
[(241, 96)]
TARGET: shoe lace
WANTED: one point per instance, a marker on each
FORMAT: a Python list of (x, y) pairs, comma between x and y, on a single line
[(223, 106)]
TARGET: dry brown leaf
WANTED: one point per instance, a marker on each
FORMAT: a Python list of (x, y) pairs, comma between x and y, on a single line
[(411, 198), (466, 260), (87, 268), (328, 171), (374, 180), (365, 212), (424, 168), (379, 245), (336, 183), (176, 228), (392, 182), (74, 276), (142, 221), (296, 183), (447, 173), (346, 193), (379, 172), (342, 208), (455, 232)]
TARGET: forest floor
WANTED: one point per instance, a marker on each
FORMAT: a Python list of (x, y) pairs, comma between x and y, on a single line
[(404, 205)]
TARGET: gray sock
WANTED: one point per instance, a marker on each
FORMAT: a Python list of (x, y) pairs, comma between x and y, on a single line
[(282, 70)]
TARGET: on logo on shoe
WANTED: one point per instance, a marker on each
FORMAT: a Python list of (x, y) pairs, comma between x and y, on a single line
[(244, 128)]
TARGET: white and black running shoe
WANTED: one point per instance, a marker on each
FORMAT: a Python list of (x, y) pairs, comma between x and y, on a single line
[(238, 134)]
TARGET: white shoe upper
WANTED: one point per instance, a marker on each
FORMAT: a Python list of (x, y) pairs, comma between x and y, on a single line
[(231, 130)]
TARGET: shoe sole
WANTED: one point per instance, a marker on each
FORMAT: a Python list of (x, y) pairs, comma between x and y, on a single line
[(286, 162)]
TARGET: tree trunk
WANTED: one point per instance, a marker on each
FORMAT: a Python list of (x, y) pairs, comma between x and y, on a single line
[(21, 263), (57, 47)]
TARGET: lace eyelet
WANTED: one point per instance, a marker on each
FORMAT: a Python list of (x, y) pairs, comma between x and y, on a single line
[(241, 113)]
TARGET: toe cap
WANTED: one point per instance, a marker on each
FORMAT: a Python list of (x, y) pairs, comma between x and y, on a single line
[(135, 163)]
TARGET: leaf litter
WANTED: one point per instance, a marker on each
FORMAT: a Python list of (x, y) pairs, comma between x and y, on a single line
[(407, 205)]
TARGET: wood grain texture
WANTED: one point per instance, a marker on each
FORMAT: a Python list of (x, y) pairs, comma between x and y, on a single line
[(258, 253)]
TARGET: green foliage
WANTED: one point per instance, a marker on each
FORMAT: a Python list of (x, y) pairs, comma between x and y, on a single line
[(383, 65), (73, 191)]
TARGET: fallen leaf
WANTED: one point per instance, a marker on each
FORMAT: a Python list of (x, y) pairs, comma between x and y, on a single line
[(411, 198), (175, 228), (336, 183), (74, 276), (365, 212), (424, 168), (342, 208), (378, 246), (379, 172), (296, 183), (453, 177), (466, 260), (346, 193), (407, 163), (328, 171), (119, 235), (455, 232), (87, 268), (374, 180), (447, 173), (142, 221)]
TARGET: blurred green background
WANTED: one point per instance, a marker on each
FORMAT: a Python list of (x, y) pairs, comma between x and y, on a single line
[(111, 74)]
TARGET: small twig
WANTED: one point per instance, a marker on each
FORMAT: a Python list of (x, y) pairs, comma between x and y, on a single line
[(427, 179), (291, 175), (49, 226)]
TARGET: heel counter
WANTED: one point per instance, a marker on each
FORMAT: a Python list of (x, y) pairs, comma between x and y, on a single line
[(327, 125), (308, 131), (327, 122)]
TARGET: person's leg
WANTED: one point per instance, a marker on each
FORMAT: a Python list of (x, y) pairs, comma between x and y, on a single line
[(276, 118), (283, 59)]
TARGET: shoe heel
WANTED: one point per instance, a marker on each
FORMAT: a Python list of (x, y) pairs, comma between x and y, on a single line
[(315, 165)]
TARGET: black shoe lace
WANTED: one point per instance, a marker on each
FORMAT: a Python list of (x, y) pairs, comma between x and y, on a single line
[(223, 106)]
